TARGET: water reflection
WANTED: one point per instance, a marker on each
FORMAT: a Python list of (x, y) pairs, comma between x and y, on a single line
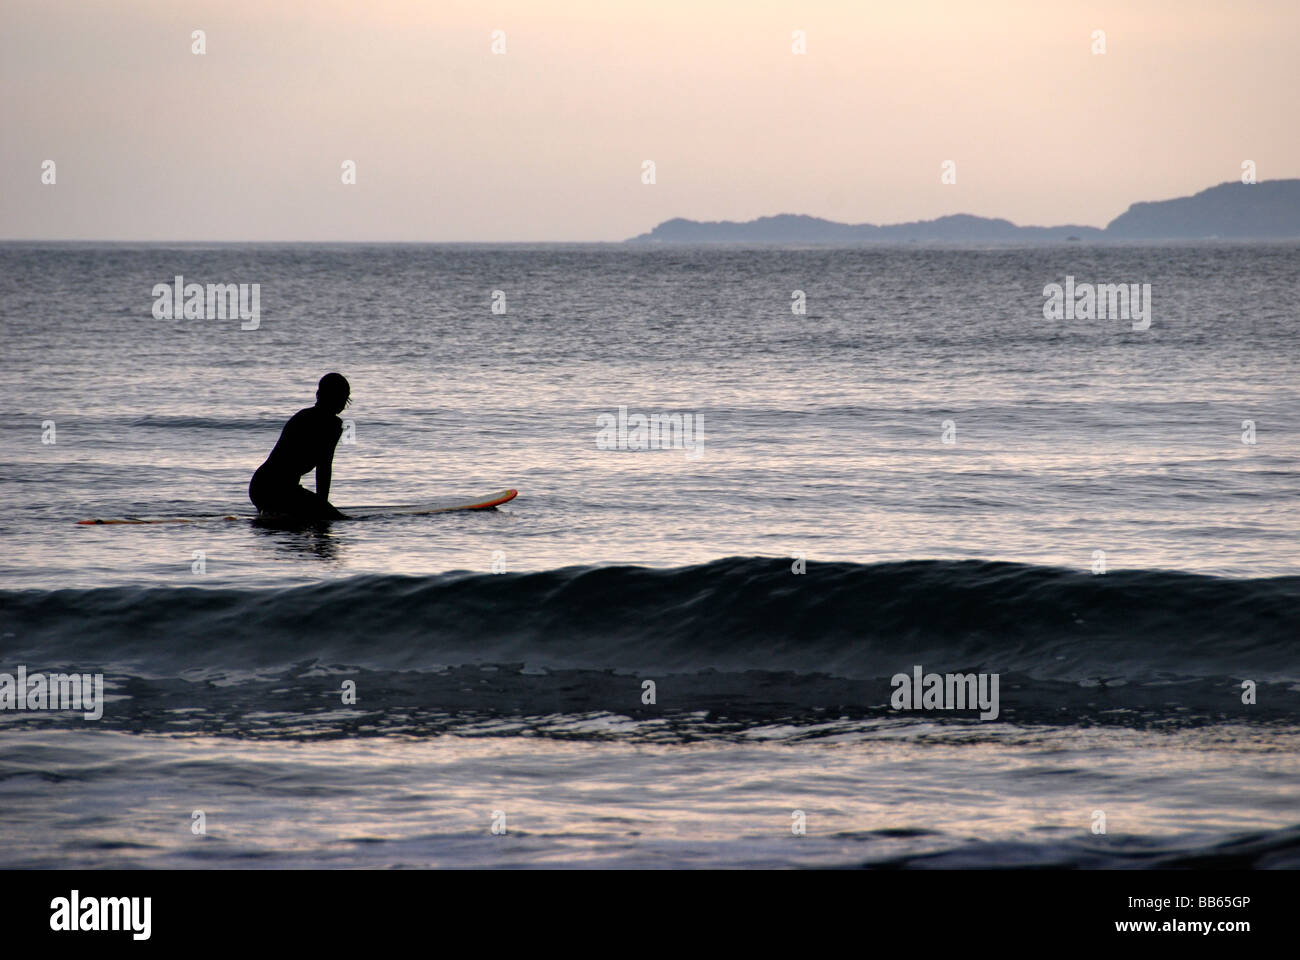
[(311, 541)]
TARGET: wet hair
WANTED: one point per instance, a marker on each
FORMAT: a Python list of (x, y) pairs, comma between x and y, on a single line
[(333, 391)]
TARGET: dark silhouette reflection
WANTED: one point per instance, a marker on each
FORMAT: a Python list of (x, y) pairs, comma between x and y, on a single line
[(309, 541)]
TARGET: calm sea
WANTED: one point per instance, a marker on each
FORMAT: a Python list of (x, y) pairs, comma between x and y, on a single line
[(656, 657)]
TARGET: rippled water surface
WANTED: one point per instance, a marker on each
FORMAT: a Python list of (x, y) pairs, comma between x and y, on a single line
[(1077, 446)]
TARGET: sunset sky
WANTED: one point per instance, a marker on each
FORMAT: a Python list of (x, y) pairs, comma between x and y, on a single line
[(546, 141)]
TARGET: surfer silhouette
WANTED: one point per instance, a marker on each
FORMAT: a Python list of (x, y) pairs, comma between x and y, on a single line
[(306, 443)]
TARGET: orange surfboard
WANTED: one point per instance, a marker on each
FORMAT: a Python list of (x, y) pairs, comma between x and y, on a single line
[(445, 505)]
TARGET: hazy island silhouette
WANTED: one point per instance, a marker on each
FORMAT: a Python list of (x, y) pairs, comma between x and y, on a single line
[(1269, 210)]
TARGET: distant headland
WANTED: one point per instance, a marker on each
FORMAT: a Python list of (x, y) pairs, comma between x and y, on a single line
[(1269, 210)]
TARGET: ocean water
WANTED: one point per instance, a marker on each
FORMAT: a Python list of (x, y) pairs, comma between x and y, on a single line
[(919, 471)]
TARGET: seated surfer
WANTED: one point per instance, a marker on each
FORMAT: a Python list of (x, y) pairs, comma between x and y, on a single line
[(306, 443)]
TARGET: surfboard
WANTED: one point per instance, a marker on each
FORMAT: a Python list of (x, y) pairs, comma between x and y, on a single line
[(121, 520), (444, 505)]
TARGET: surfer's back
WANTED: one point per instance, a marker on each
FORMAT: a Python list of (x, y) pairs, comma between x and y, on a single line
[(310, 436)]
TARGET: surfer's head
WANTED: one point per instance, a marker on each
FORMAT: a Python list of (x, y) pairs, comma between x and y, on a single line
[(332, 392)]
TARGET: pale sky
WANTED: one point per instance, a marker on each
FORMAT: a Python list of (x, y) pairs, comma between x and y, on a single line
[(546, 141)]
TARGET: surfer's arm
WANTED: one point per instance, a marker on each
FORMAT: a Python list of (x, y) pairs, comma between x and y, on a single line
[(325, 466), (324, 473)]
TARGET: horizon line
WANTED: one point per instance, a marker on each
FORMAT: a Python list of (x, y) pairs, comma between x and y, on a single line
[(636, 240)]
